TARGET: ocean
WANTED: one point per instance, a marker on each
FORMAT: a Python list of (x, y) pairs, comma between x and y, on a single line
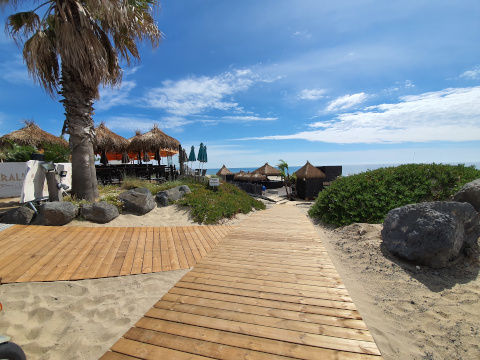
[(346, 169)]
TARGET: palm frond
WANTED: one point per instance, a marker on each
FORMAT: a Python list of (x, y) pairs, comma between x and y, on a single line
[(22, 25)]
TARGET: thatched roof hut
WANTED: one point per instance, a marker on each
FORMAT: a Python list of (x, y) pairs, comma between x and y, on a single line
[(154, 140), (308, 171), (107, 141), (224, 171), (267, 170), (32, 135)]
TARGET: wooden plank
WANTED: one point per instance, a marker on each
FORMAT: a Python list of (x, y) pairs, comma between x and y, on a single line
[(137, 263), (191, 242), (198, 240), (197, 347), (130, 253), (182, 258), (157, 253), (151, 352), (239, 339), (300, 307), (166, 264), (89, 240), (229, 311), (100, 259), (186, 247), (121, 253), (172, 251), (80, 272), (47, 262), (275, 309), (338, 303), (147, 266), (111, 253), (117, 356)]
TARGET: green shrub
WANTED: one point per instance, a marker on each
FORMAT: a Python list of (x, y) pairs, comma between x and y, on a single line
[(369, 196), (56, 153), (209, 206)]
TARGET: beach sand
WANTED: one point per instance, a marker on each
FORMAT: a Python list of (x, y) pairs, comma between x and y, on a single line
[(413, 313)]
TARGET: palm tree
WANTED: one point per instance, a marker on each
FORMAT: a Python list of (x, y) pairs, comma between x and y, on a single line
[(73, 48), (287, 178)]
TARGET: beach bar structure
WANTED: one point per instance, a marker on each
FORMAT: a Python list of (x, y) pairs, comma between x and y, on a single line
[(224, 172), (309, 181)]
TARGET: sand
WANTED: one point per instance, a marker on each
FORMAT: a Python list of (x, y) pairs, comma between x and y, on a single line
[(412, 312)]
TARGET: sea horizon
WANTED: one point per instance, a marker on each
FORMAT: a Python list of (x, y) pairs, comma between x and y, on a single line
[(351, 169)]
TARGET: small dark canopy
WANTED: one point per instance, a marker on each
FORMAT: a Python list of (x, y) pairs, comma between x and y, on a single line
[(267, 170), (107, 141), (308, 171), (32, 135), (224, 171)]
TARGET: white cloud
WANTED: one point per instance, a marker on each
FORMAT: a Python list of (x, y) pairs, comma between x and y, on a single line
[(312, 94), (114, 97), (346, 102), (196, 95), (304, 34), (447, 115), (138, 122), (247, 118), (473, 74)]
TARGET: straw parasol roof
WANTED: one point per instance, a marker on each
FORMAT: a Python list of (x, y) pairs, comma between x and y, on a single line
[(32, 135), (224, 171), (153, 140), (107, 141), (308, 171), (258, 177), (239, 176), (267, 170)]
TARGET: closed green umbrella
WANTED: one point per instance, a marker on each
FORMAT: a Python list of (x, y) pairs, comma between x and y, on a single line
[(192, 157), (202, 154)]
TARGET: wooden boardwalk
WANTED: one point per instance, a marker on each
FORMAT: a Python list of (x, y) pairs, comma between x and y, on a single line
[(268, 290), (46, 253)]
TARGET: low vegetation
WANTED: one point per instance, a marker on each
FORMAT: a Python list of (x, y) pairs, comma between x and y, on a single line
[(210, 206), (207, 205), (369, 196)]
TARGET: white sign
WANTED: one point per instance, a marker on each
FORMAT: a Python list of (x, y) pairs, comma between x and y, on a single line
[(214, 182), (11, 179)]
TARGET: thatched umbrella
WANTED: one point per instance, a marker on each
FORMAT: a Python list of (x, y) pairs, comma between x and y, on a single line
[(267, 170), (32, 135), (258, 177), (224, 171), (154, 141), (239, 175), (308, 171), (136, 145), (107, 141)]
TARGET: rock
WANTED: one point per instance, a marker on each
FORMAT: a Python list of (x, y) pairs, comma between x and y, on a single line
[(138, 201), (469, 193), (56, 213), (361, 231), (20, 216), (101, 212), (431, 233), (173, 194)]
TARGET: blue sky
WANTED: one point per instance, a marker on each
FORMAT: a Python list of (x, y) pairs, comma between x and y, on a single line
[(332, 82)]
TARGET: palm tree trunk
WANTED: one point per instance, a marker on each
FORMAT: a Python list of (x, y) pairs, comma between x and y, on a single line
[(78, 101)]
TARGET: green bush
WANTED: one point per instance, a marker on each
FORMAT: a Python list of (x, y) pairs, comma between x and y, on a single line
[(56, 153), (369, 196), (209, 206)]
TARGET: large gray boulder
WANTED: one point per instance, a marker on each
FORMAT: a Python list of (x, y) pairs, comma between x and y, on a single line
[(56, 213), (138, 201), (469, 193), (20, 216), (101, 212), (432, 233), (173, 194)]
